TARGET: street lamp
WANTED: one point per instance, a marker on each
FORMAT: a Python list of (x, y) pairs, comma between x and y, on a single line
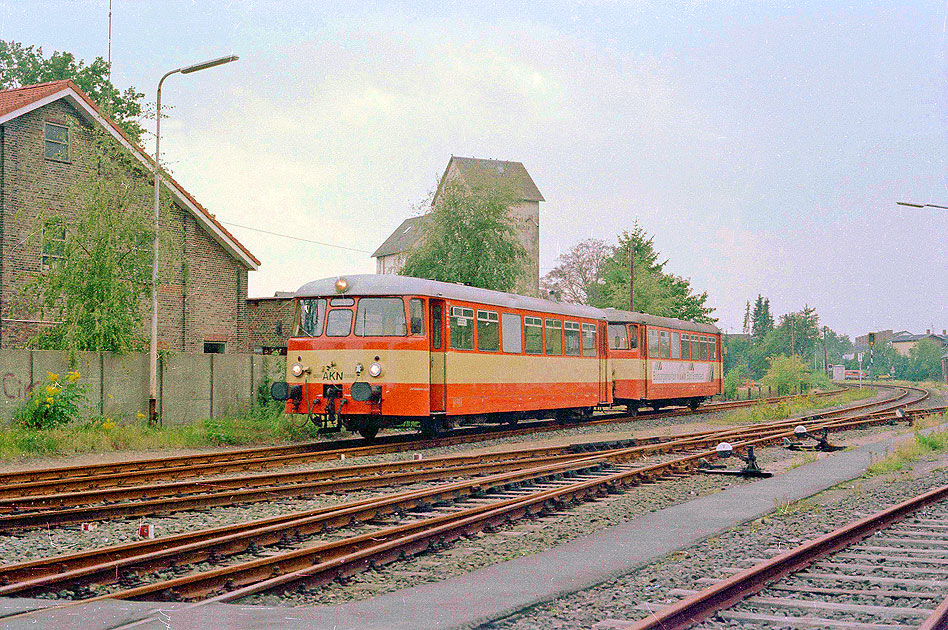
[(153, 352)]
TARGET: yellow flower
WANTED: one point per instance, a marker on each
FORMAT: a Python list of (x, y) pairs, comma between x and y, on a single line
[(140, 415), (49, 401), (111, 396), (51, 390), (109, 424), (73, 376), (53, 377)]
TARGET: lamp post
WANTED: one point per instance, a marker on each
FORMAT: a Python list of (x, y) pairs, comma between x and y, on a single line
[(153, 351)]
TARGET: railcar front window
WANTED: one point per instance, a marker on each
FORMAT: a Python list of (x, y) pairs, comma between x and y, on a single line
[(462, 328), (339, 322), (312, 317), (589, 340), (416, 315), (380, 317), (488, 331), (554, 336), (618, 337), (533, 331), (571, 335)]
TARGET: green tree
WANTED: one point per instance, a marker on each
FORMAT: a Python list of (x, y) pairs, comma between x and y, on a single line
[(786, 374), (656, 291), (924, 361), (799, 332), (97, 280), (26, 65), (577, 277), (469, 238), (762, 321)]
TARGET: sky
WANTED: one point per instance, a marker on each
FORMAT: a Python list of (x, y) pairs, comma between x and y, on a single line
[(763, 144)]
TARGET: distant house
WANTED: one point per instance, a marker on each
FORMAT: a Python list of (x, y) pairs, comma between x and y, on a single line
[(270, 321), (391, 254), (905, 342), (45, 148)]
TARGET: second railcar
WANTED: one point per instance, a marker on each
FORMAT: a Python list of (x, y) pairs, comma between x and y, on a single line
[(660, 361)]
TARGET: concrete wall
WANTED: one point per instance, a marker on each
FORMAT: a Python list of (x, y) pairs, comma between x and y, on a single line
[(191, 386)]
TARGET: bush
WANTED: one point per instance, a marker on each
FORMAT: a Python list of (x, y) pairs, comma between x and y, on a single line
[(53, 403), (732, 379)]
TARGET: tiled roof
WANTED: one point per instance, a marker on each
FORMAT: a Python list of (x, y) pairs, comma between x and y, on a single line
[(472, 169), (16, 99), (911, 337), (403, 238)]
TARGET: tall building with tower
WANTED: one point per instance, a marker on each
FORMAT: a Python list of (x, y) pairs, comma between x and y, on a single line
[(525, 214)]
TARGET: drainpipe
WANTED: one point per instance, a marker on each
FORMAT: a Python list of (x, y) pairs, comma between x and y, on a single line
[(3, 207)]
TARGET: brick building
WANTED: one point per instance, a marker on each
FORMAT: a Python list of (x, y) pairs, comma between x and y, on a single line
[(270, 320), (45, 148), (391, 254)]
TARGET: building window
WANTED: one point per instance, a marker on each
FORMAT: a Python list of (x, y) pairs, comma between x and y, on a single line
[(56, 142), (54, 242), (213, 347)]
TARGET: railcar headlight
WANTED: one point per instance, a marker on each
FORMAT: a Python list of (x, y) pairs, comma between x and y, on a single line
[(342, 285), (297, 370), (375, 370)]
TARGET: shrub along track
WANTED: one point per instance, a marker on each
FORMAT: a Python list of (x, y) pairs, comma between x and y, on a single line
[(28, 504), (262, 458), (479, 503), (837, 580)]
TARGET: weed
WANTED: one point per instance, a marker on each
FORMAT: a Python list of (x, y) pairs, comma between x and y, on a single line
[(909, 451), (808, 458), (765, 412)]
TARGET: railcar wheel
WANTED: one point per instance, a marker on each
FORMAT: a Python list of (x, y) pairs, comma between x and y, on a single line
[(633, 410), (430, 428), (369, 431), (693, 403)]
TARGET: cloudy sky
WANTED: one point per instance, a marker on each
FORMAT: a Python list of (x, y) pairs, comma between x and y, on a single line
[(763, 144)]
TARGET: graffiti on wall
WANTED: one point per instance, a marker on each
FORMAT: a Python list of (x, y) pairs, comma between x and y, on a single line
[(14, 388)]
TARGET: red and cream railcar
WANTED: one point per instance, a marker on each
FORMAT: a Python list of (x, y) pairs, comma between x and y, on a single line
[(660, 361), (377, 350)]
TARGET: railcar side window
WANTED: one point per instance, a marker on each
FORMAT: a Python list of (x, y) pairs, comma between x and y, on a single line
[(685, 347), (462, 328), (339, 322), (695, 352), (704, 349), (633, 337), (554, 336), (676, 345), (436, 326), (653, 343), (380, 317), (416, 315), (512, 333), (618, 337), (488, 333), (571, 334), (312, 317), (533, 335), (714, 348), (589, 340), (664, 340)]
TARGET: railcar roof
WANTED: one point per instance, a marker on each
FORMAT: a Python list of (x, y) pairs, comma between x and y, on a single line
[(615, 315), (387, 284)]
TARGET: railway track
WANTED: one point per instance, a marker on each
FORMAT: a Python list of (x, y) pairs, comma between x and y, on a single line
[(458, 509), (44, 503), (887, 571), (262, 458)]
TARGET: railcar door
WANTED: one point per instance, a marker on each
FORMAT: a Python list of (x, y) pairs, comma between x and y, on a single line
[(605, 389), (437, 372)]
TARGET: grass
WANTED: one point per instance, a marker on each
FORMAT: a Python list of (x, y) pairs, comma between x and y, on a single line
[(260, 425), (807, 458), (918, 447), (765, 412)]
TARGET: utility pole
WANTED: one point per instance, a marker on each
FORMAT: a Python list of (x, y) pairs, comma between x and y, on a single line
[(825, 362), (110, 41)]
